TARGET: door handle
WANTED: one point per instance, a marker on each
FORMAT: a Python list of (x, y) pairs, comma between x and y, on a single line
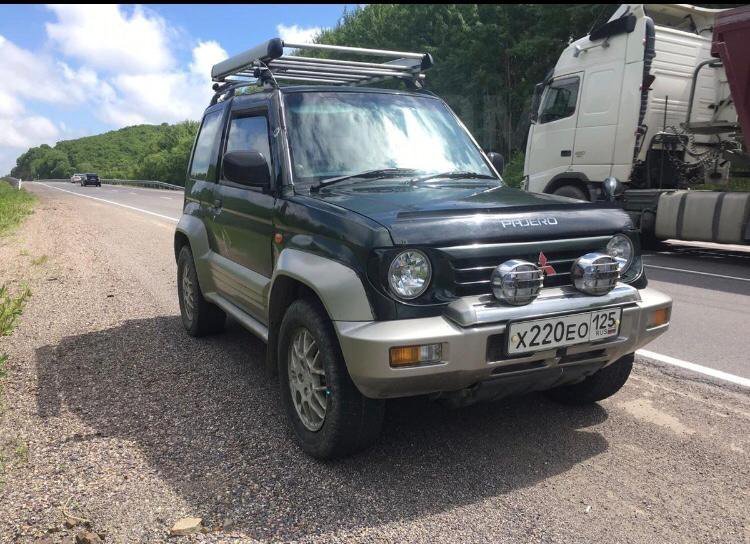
[(565, 153)]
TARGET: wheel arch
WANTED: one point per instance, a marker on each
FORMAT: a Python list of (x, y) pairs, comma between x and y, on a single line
[(191, 231), (299, 274), (576, 180)]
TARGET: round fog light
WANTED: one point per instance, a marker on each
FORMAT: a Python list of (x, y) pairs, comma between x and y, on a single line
[(595, 273), (517, 282)]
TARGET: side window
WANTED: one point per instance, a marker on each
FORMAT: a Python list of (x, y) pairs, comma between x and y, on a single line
[(560, 100), (249, 134), (206, 148)]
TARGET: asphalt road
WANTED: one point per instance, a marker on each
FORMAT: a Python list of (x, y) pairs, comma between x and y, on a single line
[(112, 413), (710, 288)]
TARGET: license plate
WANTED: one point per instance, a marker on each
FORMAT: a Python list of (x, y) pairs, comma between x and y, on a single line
[(566, 330)]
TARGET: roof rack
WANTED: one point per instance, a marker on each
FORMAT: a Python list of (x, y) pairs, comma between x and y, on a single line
[(268, 63)]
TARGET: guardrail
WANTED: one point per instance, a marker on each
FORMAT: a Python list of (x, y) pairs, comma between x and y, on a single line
[(145, 183)]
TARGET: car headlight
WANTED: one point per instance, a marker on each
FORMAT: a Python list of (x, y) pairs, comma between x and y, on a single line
[(409, 274), (621, 249)]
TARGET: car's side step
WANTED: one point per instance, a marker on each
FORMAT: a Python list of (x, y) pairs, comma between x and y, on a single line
[(249, 322)]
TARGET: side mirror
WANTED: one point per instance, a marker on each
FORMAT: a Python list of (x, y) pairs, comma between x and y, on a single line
[(247, 168), (612, 188), (497, 160)]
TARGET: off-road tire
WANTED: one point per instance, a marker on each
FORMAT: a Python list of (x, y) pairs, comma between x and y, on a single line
[(206, 318), (599, 386), (571, 191), (352, 421)]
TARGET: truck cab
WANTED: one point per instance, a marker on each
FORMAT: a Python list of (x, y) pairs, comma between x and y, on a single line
[(364, 236), (640, 99)]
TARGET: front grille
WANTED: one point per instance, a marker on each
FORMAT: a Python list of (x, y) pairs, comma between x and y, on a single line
[(472, 276), (472, 266)]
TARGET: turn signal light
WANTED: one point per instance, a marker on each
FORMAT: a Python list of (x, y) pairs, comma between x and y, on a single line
[(659, 317), (414, 355)]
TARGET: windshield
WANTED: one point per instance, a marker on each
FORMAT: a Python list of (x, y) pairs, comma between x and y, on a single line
[(342, 133)]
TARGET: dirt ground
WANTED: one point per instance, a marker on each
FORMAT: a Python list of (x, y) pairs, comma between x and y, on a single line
[(113, 414)]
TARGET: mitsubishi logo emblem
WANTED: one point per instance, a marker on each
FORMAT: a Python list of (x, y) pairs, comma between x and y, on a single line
[(547, 269)]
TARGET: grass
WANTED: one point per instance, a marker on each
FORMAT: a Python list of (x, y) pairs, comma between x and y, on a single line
[(14, 206), (39, 260), (734, 184), (11, 307)]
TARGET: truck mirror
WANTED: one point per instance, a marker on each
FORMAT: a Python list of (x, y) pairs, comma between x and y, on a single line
[(247, 168), (497, 160), (536, 101), (612, 188)]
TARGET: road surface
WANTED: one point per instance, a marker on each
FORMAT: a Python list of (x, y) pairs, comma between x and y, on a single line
[(710, 288), (112, 413)]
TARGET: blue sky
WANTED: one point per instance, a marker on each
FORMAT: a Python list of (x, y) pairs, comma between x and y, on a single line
[(67, 71)]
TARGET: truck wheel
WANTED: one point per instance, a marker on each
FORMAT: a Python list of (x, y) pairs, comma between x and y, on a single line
[(571, 191), (601, 385), (329, 416), (199, 316)]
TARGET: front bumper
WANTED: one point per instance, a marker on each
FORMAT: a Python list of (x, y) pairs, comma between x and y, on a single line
[(471, 329)]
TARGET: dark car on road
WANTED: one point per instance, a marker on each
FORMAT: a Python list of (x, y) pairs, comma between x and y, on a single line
[(90, 179), (370, 242)]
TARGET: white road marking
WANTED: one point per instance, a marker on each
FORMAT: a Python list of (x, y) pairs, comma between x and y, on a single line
[(738, 380), (696, 272), (111, 202), (166, 197)]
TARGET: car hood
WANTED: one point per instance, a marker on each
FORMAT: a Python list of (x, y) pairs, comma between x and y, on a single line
[(471, 212)]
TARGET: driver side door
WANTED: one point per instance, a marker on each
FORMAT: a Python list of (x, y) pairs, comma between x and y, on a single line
[(243, 218)]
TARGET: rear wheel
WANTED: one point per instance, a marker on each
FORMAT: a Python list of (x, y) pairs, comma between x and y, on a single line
[(571, 191), (329, 416), (199, 316), (599, 386)]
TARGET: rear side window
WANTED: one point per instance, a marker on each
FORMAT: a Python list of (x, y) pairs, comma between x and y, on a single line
[(560, 100), (249, 134), (206, 148)]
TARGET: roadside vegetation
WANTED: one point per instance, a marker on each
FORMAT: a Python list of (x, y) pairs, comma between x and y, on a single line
[(14, 206), (158, 152), (11, 307)]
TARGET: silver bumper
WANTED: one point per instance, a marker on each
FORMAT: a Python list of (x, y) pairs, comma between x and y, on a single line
[(465, 329)]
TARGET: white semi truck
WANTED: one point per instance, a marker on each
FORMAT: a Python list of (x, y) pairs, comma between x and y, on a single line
[(656, 97)]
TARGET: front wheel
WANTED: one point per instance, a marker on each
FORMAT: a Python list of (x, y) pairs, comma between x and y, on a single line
[(329, 416), (599, 386), (199, 316)]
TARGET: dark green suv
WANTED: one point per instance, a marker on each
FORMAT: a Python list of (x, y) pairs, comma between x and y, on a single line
[(364, 235)]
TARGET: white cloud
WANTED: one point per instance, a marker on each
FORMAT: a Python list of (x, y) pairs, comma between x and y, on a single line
[(171, 96), (21, 132), (205, 55), (106, 38), (119, 65), (297, 34), (34, 76), (28, 77)]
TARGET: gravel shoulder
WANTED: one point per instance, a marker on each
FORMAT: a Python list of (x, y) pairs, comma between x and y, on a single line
[(111, 409)]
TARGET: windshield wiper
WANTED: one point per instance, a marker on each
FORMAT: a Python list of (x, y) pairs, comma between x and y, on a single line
[(368, 174), (455, 174)]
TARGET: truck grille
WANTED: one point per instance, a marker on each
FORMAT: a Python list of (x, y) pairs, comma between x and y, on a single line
[(472, 270)]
